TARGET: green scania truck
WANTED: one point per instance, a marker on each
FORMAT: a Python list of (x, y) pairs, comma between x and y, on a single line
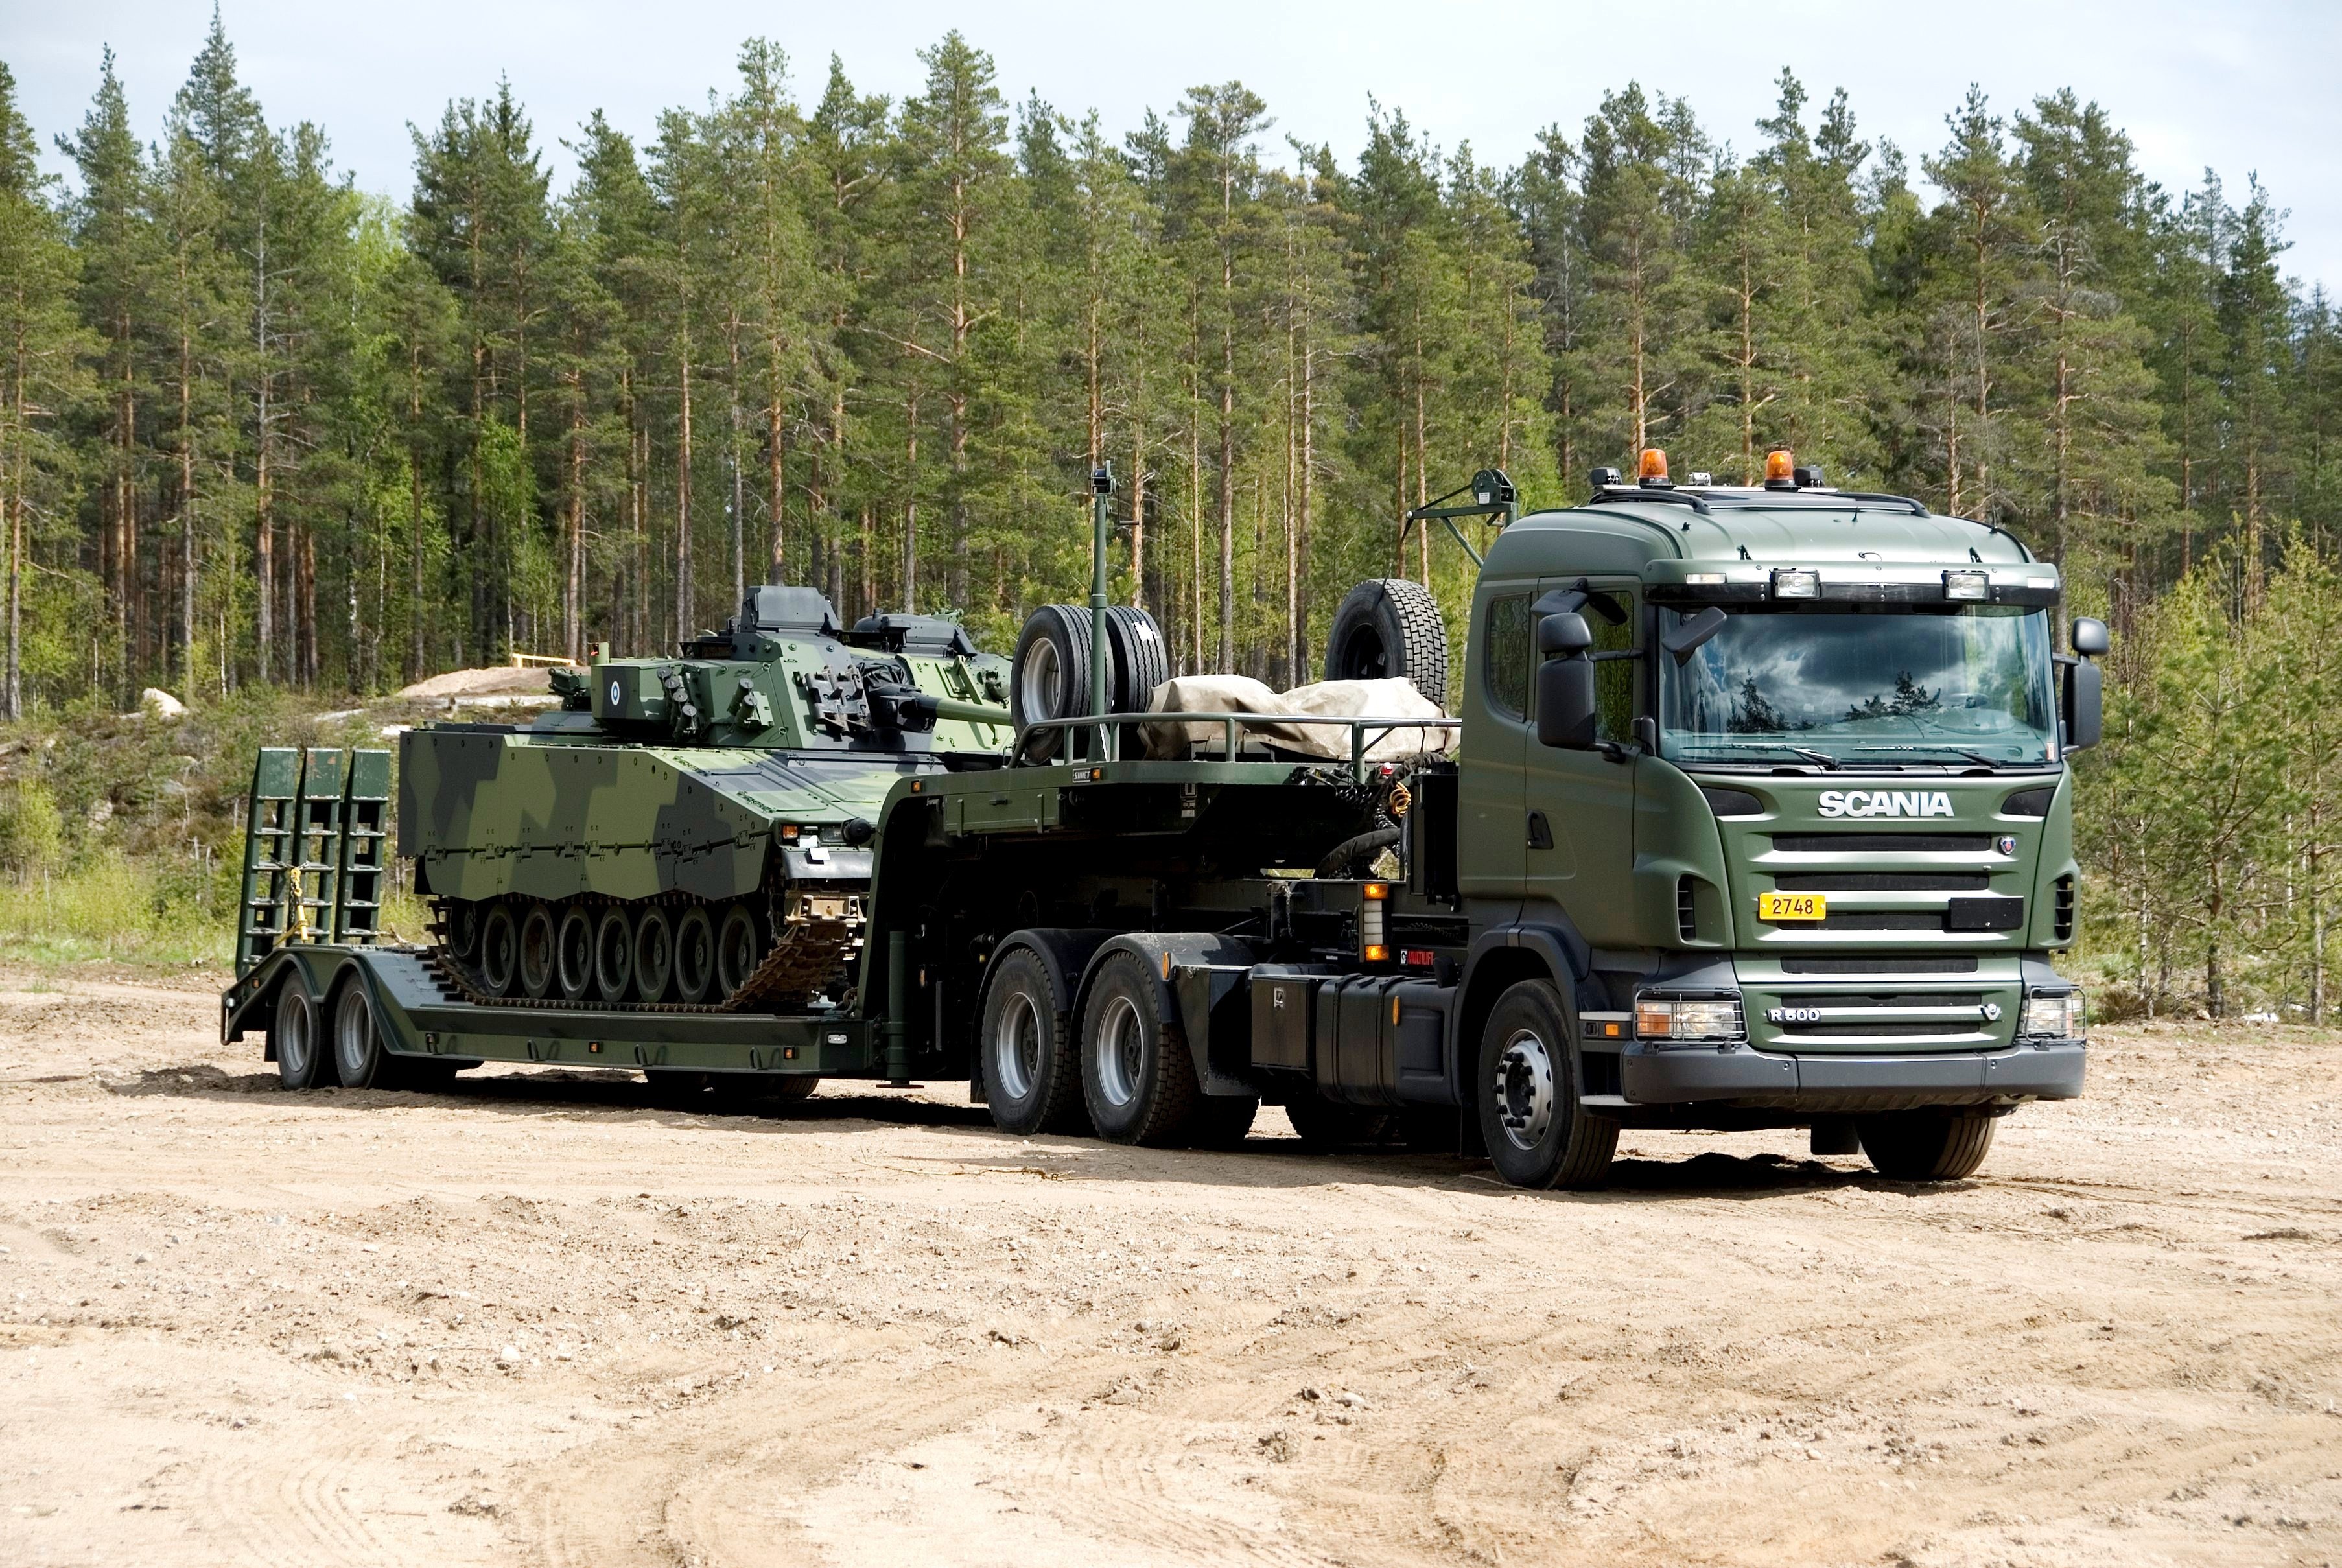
[(1757, 815)]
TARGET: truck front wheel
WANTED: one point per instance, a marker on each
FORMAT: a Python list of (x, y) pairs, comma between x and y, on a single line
[(1539, 1132), (1031, 1082), (1927, 1146), (1136, 1076)]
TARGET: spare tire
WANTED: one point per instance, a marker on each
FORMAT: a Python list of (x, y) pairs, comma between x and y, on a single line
[(1049, 678), (1390, 626), (1142, 661)]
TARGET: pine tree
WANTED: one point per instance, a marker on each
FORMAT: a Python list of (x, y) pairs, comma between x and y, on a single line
[(1980, 265)]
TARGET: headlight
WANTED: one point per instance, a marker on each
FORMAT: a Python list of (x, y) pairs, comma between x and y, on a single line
[(1793, 585), (1687, 1018), (2056, 1014)]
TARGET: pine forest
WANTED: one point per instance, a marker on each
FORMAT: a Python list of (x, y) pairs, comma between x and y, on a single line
[(261, 432)]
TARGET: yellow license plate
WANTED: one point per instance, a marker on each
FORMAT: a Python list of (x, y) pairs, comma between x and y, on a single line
[(1780, 907)]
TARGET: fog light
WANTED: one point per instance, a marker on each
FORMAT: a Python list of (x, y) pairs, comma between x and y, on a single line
[(1797, 585), (1967, 585)]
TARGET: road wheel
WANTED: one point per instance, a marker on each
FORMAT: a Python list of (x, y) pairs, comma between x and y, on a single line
[(460, 924), (1032, 1080), (739, 948), (358, 1055), (1390, 626), (573, 946), (1927, 1146), (613, 955), (300, 1060), (1539, 1132), (1222, 1121), (1049, 678), (695, 955), (500, 950), (654, 955), (537, 956), (1137, 1078), (1326, 1124)]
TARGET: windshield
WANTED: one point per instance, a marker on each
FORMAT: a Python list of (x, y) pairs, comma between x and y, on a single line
[(1949, 685)]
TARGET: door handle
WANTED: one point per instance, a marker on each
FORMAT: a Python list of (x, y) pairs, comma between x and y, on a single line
[(1540, 831)]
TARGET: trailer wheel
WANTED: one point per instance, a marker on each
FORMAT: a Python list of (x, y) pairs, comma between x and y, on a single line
[(500, 950), (358, 1055), (1325, 1124), (300, 1061), (613, 955), (1927, 1146), (1539, 1132), (1137, 1078), (1031, 1082), (1390, 626), (654, 955), (536, 955), (572, 947), (695, 954), (1049, 678), (793, 1087)]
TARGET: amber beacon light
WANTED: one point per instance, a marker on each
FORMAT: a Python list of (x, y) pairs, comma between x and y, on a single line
[(1655, 465), (1780, 467)]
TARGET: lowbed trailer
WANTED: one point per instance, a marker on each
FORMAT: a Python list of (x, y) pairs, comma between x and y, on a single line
[(1760, 816)]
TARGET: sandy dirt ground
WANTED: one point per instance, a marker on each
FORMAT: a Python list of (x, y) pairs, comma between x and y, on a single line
[(540, 1321)]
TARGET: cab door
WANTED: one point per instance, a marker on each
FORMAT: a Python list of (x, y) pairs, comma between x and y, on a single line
[(1580, 806), (1489, 823)]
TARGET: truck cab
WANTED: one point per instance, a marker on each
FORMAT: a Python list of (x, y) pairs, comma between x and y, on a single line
[(1777, 781)]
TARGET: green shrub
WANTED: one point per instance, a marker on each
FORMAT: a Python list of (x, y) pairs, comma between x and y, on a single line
[(32, 832)]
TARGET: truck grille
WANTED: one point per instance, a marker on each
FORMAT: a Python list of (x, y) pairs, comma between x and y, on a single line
[(1883, 881), (1888, 963), (1881, 843), (1899, 1015), (1880, 920)]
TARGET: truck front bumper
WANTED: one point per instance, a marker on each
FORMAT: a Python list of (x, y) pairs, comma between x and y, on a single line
[(1743, 1076)]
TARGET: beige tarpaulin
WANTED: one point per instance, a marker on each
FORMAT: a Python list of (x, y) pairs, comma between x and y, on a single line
[(1395, 698)]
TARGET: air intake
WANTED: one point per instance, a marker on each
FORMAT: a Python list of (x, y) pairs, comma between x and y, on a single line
[(1687, 911), (2062, 912)]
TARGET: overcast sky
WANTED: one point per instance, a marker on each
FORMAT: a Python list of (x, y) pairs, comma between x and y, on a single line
[(2236, 87)]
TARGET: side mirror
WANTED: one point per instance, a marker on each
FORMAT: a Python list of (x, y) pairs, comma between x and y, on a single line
[(2090, 639), (1564, 635), (2082, 705), (1565, 683)]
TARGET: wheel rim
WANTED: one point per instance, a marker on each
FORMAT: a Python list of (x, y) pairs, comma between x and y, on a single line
[(654, 955), (499, 950), (1042, 681), (537, 951), (1122, 1051), (614, 948), (1364, 657), (353, 1035), (1524, 1089), (294, 1046), (695, 955), (736, 950), (575, 946), (1017, 1046)]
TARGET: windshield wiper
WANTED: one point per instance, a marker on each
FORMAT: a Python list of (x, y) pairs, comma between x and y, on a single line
[(1819, 759)]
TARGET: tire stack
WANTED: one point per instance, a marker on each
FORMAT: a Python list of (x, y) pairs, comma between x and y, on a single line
[(1049, 677)]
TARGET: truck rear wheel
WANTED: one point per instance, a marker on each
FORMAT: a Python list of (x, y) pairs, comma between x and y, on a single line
[(1032, 1081), (358, 1055), (1137, 1078), (1927, 1146), (300, 1059), (1537, 1131)]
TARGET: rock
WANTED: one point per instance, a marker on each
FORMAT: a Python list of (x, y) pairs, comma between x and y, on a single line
[(160, 703)]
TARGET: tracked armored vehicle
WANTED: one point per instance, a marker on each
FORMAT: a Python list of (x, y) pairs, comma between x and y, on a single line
[(691, 834)]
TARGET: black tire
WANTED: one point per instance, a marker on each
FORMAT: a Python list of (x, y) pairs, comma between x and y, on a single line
[(500, 951), (537, 965), (359, 1059), (302, 1062), (675, 1089), (1927, 1146), (1032, 1074), (1326, 1124), (1049, 678), (739, 948), (613, 955), (1356, 856), (794, 1086), (573, 948), (695, 954), (1389, 627), (1138, 1079), (1141, 658), (1537, 1131), (654, 955), (1223, 1120)]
